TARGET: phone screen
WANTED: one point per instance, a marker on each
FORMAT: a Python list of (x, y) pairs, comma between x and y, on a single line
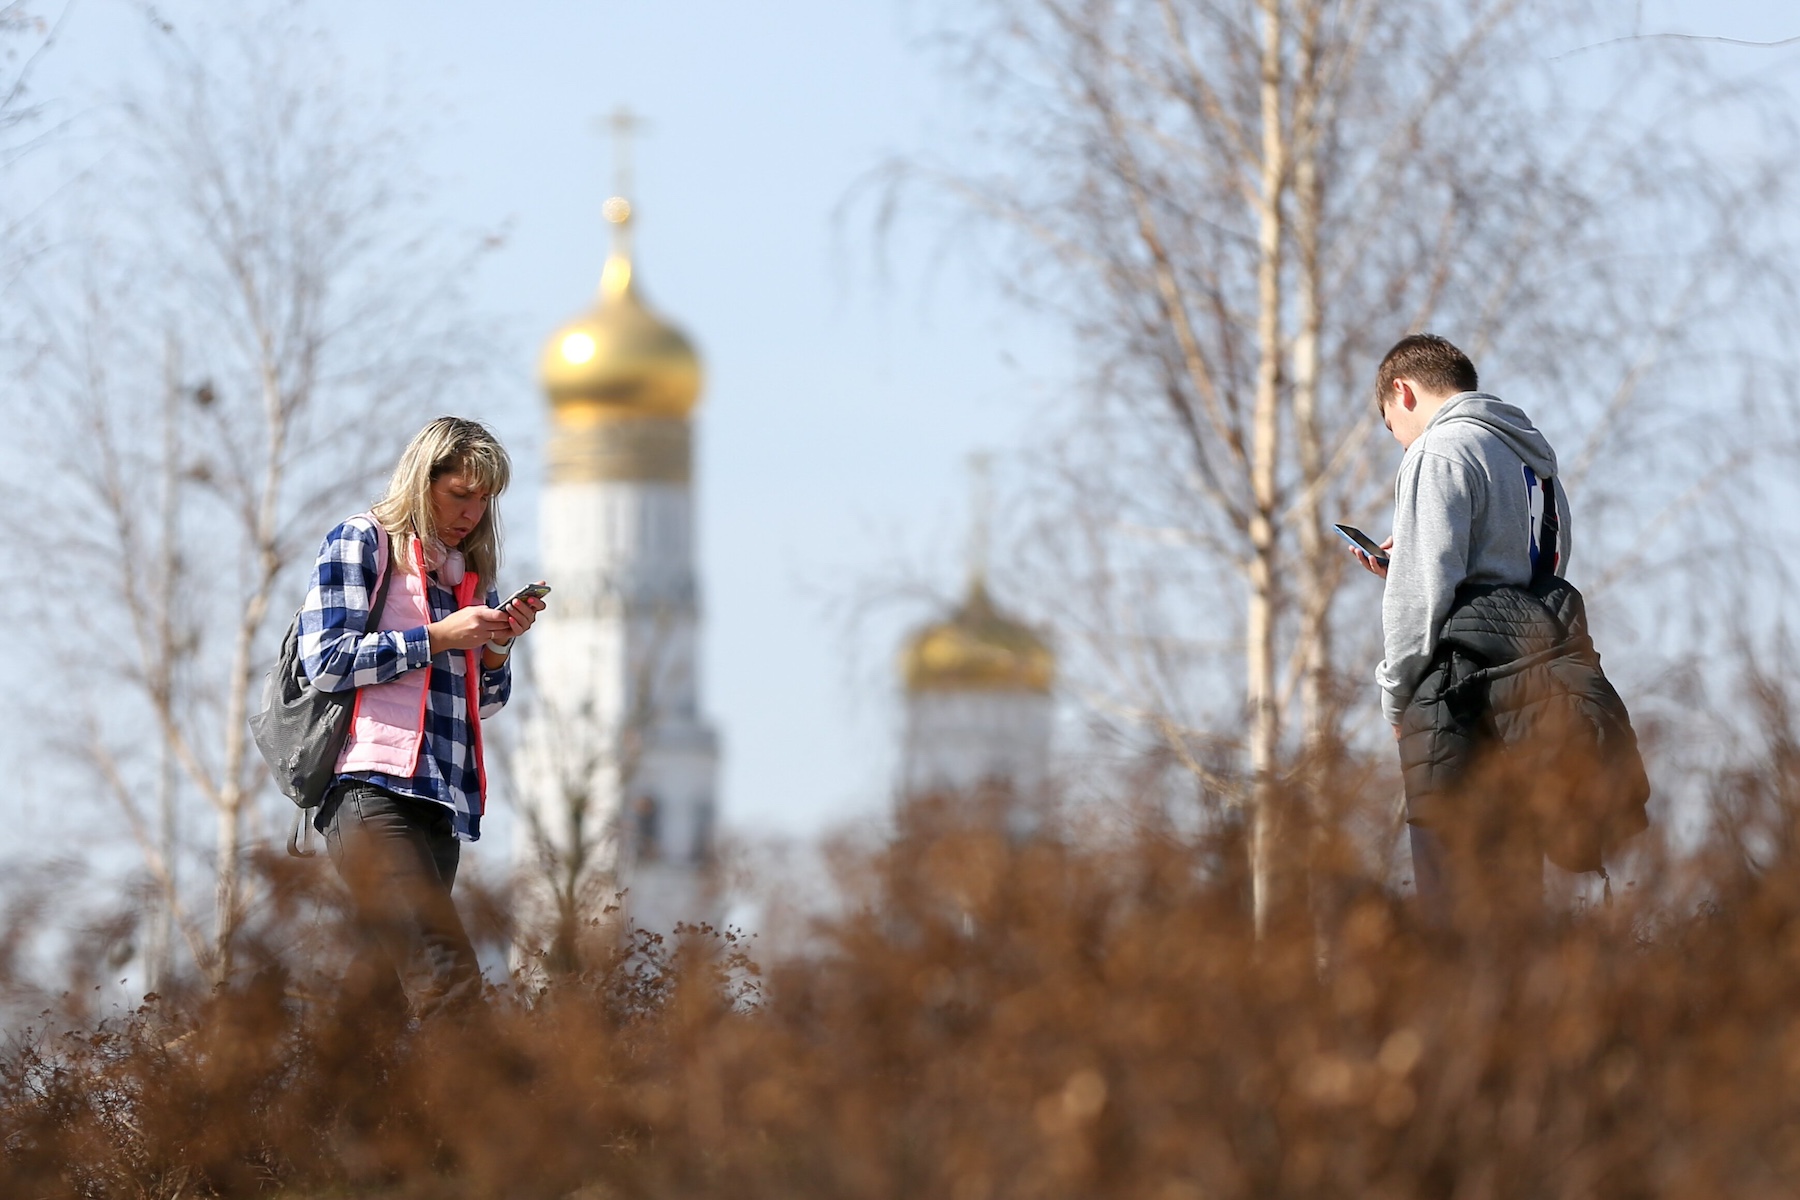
[(1363, 542)]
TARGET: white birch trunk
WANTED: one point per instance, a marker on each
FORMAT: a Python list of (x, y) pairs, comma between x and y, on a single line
[(1261, 685)]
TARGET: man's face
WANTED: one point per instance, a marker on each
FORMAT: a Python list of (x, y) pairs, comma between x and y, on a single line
[(1406, 411), (457, 506)]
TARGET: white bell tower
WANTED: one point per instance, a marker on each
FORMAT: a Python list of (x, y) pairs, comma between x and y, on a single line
[(618, 789)]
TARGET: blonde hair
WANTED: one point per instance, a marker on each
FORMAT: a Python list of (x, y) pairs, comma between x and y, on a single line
[(448, 444)]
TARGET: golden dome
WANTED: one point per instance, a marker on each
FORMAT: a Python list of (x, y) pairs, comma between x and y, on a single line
[(619, 358), (978, 649)]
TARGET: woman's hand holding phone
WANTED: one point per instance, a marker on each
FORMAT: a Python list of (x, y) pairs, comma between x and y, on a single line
[(476, 626), (522, 607), (467, 629)]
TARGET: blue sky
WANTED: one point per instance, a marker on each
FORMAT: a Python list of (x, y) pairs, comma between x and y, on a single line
[(841, 402)]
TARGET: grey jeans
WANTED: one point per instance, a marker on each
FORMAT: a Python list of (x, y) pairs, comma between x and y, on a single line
[(399, 857)]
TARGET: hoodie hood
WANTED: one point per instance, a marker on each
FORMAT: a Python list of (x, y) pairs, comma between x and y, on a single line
[(1505, 422)]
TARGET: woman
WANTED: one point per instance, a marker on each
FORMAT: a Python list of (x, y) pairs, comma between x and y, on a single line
[(428, 668)]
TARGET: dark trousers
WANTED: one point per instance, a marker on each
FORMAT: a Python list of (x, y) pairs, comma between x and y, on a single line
[(399, 856), (1460, 881)]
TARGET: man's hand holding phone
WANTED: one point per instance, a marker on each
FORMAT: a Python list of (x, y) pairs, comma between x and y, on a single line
[(1374, 558), (1375, 566)]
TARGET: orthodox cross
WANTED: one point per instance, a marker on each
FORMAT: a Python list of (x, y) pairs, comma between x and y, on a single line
[(622, 123), (981, 505)]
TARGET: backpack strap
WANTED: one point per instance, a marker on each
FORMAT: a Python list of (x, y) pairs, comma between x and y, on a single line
[(382, 540), (1549, 533)]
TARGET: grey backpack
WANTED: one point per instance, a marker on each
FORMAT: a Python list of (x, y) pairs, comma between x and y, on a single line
[(301, 729)]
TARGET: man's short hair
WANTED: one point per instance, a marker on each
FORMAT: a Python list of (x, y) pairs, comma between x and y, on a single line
[(1428, 360)]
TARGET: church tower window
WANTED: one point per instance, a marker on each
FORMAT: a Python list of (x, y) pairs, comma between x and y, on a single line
[(702, 848), (646, 829)]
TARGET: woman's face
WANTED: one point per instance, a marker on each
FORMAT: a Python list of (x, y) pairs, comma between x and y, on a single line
[(457, 506)]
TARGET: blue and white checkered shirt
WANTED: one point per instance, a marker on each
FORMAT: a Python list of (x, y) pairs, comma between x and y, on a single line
[(339, 652)]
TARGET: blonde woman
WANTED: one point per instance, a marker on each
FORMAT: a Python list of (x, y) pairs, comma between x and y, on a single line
[(427, 669)]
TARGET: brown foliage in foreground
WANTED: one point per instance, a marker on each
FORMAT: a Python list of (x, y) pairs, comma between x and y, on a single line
[(994, 1020)]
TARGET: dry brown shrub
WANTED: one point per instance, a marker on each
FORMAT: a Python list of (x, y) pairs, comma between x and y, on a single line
[(993, 1017)]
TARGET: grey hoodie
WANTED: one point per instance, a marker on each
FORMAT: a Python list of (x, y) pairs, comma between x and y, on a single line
[(1465, 511)]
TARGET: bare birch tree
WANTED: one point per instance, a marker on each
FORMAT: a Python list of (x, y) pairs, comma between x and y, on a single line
[(26, 37), (26, 34), (1237, 205), (261, 326)]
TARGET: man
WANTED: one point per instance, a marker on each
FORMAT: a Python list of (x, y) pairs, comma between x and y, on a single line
[(1468, 513)]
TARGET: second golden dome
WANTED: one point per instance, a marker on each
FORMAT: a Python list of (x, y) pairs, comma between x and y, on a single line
[(978, 648)]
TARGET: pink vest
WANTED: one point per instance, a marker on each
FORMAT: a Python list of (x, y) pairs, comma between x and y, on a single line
[(387, 726)]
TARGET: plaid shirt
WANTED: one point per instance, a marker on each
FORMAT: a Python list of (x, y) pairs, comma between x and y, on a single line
[(339, 653)]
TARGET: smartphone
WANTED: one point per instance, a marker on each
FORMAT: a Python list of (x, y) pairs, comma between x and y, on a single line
[(1363, 542), (537, 591)]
